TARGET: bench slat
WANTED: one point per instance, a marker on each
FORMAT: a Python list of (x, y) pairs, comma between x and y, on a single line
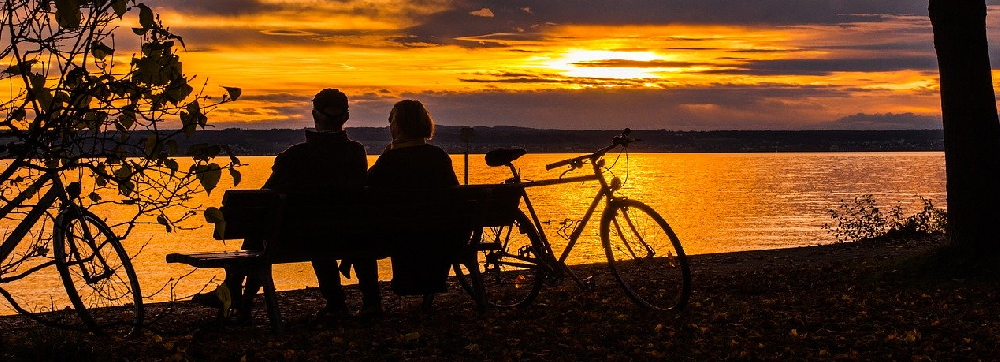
[(222, 259)]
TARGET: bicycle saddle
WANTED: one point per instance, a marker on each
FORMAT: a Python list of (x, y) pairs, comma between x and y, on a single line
[(503, 156)]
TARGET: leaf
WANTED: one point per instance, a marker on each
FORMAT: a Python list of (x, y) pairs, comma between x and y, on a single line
[(44, 97), (125, 120), (171, 164), (233, 160), (146, 19), (94, 196), (194, 107), (18, 114), (412, 336), (126, 188), (120, 7), (21, 68), (237, 177), (37, 81), (208, 175), (162, 220), (150, 145), (68, 13), (214, 215), (124, 172), (189, 130), (101, 51), (234, 93)]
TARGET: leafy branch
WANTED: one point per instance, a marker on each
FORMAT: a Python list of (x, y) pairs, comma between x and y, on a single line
[(102, 104)]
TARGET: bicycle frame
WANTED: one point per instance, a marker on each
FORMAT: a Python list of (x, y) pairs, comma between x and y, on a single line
[(605, 192), (56, 192)]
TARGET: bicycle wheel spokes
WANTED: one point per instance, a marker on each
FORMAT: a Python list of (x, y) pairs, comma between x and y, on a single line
[(510, 272), (98, 274), (645, 255)]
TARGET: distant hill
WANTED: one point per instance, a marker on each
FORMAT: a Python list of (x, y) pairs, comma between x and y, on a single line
[(270, 142)]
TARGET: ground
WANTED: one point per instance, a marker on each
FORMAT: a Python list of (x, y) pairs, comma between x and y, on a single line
[(852, 301)]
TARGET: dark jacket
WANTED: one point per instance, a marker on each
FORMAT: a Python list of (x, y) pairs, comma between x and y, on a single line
[(420, 261), (423, 166), (325, 161)]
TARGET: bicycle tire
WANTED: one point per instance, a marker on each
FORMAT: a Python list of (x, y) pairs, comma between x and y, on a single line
[(510, 273), (97, 273), (645, 255)]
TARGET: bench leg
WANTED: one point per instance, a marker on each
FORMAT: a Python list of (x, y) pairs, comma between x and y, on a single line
[(271, 298), (478, 289), (261, 277)]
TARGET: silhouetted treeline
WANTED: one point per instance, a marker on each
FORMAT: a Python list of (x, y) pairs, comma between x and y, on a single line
[(270, 142)]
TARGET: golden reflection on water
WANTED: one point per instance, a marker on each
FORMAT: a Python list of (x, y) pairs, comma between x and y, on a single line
[(714, 202)]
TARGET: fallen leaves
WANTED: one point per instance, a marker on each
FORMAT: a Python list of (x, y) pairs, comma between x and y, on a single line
[(825, 306)]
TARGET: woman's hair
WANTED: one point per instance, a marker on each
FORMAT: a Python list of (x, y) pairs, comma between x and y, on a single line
[(412, 119)]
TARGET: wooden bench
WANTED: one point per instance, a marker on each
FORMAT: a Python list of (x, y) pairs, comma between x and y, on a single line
[(362, 222)]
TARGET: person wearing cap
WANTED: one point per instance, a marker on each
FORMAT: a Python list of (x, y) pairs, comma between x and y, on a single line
[(327, 160)]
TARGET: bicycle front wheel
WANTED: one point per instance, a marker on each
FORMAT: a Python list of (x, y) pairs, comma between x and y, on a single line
[(97, 274), (508, 263), (645, 255)]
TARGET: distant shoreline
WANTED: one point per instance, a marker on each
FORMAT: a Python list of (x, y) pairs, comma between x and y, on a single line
[(270, 142), (247, 142)]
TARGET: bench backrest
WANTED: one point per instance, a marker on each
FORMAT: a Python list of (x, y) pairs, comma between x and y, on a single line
[(297, 226)]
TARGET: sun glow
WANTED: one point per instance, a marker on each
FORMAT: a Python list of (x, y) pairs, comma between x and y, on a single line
[(605, 64)]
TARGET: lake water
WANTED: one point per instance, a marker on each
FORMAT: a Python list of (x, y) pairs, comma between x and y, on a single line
[(714, 202)]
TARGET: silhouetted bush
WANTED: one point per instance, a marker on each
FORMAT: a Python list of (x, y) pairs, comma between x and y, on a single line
[(862, 219)]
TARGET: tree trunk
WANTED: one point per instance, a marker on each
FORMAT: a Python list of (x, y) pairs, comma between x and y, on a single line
[(971, 126)]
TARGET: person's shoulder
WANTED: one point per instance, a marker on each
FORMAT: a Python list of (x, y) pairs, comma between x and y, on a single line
[(294, 149), (429, 148), (356, 145)]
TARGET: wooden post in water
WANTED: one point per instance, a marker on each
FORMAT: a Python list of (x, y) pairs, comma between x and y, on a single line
[(466, 134)]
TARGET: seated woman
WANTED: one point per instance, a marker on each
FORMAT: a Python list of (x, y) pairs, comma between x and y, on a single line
[(421, 264)]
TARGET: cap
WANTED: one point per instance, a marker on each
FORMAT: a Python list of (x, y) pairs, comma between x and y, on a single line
[(331, 102)]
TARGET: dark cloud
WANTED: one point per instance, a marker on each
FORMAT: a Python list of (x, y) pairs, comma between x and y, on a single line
[(885, 121), (551, 78), (263, 39), (828, 66), (510, 16), (288, 32), (504, 37), (733, 107), (923, 44), (517, 77), (217, 7), (725, 107), (626, 63)]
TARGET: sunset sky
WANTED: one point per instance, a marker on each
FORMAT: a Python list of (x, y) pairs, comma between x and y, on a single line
[(572, 64)]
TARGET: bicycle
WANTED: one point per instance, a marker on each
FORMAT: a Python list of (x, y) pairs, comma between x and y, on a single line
[(643, 252), (94, 267)]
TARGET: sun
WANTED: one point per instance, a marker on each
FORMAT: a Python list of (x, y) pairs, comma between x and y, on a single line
[(607, 64)]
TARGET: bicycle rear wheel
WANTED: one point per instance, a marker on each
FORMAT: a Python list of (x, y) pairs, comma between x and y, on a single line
[(645, 255), (97, 274), (508, 263)]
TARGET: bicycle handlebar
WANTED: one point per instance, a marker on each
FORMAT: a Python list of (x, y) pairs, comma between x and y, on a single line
[(619, 140)]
